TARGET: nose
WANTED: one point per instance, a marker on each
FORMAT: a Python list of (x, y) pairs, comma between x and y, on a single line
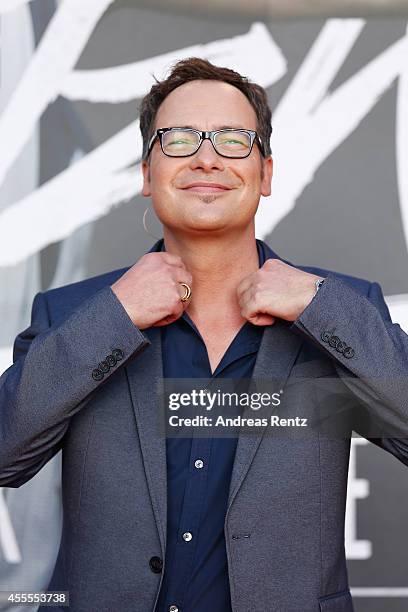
[(206, 158)]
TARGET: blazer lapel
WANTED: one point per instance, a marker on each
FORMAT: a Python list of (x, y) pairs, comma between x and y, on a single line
[(145, 375), (276, 356)]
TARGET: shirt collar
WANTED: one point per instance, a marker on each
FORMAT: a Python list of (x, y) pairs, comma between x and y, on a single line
[(264, 250)]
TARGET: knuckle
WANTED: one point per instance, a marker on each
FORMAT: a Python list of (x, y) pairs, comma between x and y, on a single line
[(175, 301), (258, 294), (176, 259)]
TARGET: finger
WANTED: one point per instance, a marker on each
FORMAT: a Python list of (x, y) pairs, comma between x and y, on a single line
[(245, 284), (165, 321), (173, 259), (262, 319), (184, 292), (246, 297), (253, 311), (182, 276), (175, 314)]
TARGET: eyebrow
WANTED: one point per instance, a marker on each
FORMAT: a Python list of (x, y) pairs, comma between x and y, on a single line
[(220, 127)]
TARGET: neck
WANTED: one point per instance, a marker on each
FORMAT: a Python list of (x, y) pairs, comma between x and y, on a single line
[(217, 264)]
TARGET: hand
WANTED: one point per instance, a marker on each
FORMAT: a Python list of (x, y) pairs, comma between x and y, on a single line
[(275, 290), (150, 291)]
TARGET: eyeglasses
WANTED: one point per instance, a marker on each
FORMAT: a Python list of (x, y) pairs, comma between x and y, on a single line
[(183, 142)]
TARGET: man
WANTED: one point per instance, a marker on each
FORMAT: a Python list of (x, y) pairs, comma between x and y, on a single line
[(187, 524)]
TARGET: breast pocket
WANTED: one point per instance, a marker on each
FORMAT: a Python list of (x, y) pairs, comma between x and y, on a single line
[(339, 602), (313, 368)]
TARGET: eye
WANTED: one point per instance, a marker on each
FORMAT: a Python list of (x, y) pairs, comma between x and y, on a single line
[(179, 141), (233, 140)]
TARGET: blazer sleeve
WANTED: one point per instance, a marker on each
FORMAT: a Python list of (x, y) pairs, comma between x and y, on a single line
[(375, 366), (52, 378)]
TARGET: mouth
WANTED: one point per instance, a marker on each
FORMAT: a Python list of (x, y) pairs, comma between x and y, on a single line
[(206, 188)]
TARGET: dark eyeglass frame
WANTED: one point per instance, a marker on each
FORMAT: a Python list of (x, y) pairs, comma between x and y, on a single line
[(203, 136)]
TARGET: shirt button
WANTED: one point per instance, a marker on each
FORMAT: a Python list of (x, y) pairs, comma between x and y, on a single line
[(173, 609), (198, 463), (187, 536)]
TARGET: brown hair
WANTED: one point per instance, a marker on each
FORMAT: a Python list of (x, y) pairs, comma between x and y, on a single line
[(195, 68)]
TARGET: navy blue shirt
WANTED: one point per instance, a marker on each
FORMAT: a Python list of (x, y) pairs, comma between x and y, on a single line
[(199, 474)]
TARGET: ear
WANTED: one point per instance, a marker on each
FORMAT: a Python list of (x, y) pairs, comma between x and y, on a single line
[(146, 190), (267, 176)]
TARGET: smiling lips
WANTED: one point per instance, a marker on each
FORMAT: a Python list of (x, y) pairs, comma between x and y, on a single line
[(201, 187)]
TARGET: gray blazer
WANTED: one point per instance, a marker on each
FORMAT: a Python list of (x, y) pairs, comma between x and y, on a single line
[(284, 526)]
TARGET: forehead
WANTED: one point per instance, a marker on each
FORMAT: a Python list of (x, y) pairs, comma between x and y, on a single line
[(206, 105)]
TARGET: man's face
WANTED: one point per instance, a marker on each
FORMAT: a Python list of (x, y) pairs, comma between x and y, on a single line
[(206, 192)]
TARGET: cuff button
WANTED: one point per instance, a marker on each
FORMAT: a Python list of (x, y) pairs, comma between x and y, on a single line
[(97, 374), (118, 354), (110, 360), (341, 346), (334, 341), (104, 366), (326, 335)]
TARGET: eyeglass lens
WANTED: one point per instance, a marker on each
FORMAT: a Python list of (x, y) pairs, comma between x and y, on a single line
[(229, 143)]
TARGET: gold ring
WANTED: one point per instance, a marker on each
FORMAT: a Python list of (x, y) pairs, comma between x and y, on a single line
[(187, 294)]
